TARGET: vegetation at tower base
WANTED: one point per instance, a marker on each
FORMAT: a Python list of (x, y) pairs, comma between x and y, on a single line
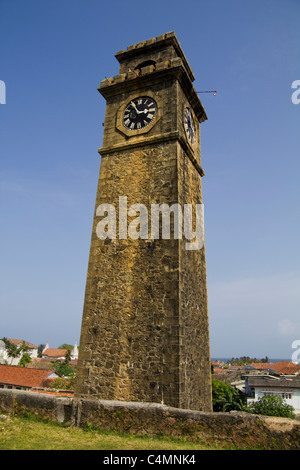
[(271, 406), (227, 398)]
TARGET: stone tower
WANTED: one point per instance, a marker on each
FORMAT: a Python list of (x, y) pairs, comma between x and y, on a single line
[(145, 333)]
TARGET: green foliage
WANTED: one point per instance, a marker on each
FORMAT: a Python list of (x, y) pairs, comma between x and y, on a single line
[(11, 349), (40, 350), (227, 398), (68, 356), (14, 351), (63, 384), (64, 369), (25, 359), (66, 346), (29, 432), (271, 405), (244, 360)]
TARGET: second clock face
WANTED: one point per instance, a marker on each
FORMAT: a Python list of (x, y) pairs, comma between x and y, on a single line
[(189, 125), (139, 113)]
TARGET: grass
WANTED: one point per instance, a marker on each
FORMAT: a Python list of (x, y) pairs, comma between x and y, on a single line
[(27, 432)]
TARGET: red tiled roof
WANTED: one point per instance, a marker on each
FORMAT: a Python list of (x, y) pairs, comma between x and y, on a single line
[(282, 367), (17, 342), (65, 393), (50, 352), (40, 363), (22, 377), (285, 367)]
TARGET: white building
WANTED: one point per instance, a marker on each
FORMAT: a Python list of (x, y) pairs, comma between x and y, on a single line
[(5, 359), (288, 387), (58, 353)]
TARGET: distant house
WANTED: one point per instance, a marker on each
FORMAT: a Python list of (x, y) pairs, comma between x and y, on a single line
[(55, 354), (21, 378), (257, 386), (51, 353), (5, 359), (281, 367)]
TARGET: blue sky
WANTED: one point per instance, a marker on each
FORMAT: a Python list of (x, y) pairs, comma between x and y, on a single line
[(53, 56)]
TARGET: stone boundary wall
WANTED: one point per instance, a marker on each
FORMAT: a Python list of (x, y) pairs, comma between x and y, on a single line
[(234, 429)]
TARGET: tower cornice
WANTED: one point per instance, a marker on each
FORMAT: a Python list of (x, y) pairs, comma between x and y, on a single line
[(146, 141), (167, 39), (135, 80)]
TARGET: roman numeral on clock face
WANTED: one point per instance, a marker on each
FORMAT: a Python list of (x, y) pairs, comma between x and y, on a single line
[(139, 113)]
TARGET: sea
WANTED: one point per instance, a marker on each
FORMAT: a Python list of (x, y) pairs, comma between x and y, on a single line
[(271, 360)]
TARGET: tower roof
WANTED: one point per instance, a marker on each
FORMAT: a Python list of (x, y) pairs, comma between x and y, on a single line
[(154, 46), (150, 62)]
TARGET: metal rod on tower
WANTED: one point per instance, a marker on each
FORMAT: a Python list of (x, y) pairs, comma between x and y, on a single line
[(209, 91)]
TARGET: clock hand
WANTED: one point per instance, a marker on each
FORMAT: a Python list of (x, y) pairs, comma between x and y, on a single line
[(138, 112)]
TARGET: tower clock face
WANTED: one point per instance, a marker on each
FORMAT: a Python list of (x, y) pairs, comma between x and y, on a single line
[(139, 113), (189, 125)]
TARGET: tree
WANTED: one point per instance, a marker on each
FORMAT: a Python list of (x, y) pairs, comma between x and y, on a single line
[(64, 369), (63, 384), (68, 356), (271, 405), (14, 351), (25, 359), (265, 360), (244, 360), (22, 348), (66, 346), (11, 349), (227, 398), (41, 349)]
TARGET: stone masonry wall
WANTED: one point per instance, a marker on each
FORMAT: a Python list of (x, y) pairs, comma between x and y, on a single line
[(129, 343), (234, 430), (145, 324), (195, 351)]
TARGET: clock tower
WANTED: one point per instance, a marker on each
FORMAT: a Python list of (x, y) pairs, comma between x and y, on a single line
[(145, 333)]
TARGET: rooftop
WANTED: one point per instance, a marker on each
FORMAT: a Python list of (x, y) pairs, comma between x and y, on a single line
[(273, 382), (52, 352), (281, 367), (23, 377), (18, 342)]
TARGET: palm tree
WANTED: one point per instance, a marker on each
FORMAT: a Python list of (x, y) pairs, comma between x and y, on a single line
[(14, 351), (11, 349)]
